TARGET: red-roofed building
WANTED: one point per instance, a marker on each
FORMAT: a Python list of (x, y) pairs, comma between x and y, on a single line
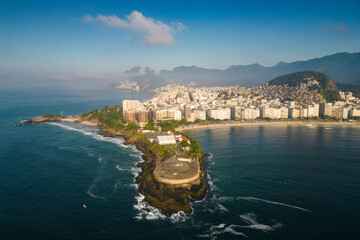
[(183, 138)]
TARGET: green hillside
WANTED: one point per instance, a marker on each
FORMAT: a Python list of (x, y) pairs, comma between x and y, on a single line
[(327, 86)]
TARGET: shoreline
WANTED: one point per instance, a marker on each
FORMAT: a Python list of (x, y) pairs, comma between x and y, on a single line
[(78, 120), (169, 198), (268, 123)]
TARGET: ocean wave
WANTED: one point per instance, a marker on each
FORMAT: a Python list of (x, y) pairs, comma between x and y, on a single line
[(221, 229), (146, 211), (116, 140), (93, 195), (117, 184), (101, 160), (253, 224), (226, 199), (230, 229), (271, 202), (222, 208), (178, 217), (120, 168), (221, 225)]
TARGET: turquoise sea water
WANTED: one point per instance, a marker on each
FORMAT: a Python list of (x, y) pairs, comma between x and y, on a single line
[(265, 182)]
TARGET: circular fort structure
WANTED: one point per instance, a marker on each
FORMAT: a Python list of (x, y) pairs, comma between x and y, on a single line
[(177, 171)]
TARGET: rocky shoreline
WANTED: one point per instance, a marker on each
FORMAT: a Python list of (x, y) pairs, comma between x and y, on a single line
[(168, 198)]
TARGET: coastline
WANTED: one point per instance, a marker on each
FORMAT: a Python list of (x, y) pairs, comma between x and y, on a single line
[(268, 123), (169, 198)]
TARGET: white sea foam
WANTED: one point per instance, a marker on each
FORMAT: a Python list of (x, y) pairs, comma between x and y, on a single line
[(251, 219), (117, 184), (101, 160), (222, 208), (226, 199), (222, 225), (178, 217), (120, 168), (90, 191), (230, 229), (115, 140), (146, 211), (211, 182), (271, 202)]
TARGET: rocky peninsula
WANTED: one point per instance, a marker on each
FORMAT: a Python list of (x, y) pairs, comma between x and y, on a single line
[(170, 178)]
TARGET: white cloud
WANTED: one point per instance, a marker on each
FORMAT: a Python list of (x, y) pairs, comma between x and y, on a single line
[(87, 18), (156, 32)]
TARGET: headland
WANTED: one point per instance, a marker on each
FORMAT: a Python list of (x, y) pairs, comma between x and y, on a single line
[(171, 175)]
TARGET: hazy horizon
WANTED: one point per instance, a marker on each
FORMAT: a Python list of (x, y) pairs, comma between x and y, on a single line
[(87, 40)]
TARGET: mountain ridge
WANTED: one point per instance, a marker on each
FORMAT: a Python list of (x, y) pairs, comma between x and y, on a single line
[(343, 67)]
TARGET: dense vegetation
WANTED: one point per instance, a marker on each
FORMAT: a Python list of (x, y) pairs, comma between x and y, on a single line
[(171, 125), (110, 117), (327, 86), (112, 121)]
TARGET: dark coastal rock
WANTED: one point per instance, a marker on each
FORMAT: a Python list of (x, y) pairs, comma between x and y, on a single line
[(25, 122)]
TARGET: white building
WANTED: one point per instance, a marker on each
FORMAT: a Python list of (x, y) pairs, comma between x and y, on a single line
[(303, 112), (284, 112), (222, 113), (355, 113), (201, 114), (268, 112), (249, 113), (325, 109), (294, 113), (130, 105), (175, 113), (166, 139)]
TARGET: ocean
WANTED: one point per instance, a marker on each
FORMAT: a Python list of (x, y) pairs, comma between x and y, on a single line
[(280, 182)]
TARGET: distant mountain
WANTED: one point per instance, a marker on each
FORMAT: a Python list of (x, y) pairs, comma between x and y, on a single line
[(342, 67), (139, 78), (326, 85)]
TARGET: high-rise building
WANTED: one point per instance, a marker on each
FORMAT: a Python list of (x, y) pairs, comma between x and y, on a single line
[(187, 112), (143, 116), (222, 113), (201, 114), (294, 113), (325, 109), (130, 116), (130, 105), (236, 112), (303, 112)]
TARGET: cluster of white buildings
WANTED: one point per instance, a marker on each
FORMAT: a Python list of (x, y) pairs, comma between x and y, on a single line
[(178, 102)]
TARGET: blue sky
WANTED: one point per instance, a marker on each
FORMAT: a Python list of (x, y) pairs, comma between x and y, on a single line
[(98, 39)]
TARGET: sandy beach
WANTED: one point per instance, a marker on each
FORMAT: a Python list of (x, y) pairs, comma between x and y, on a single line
[(269, 123), (78, 120)]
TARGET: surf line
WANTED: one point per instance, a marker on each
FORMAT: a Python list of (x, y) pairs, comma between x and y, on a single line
[(271, 202)]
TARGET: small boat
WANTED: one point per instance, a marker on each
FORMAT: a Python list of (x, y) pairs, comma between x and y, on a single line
[(84, 206), (215, 232)]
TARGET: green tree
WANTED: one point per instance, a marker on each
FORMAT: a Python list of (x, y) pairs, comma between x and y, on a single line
[(184, 144), (132, 126)]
